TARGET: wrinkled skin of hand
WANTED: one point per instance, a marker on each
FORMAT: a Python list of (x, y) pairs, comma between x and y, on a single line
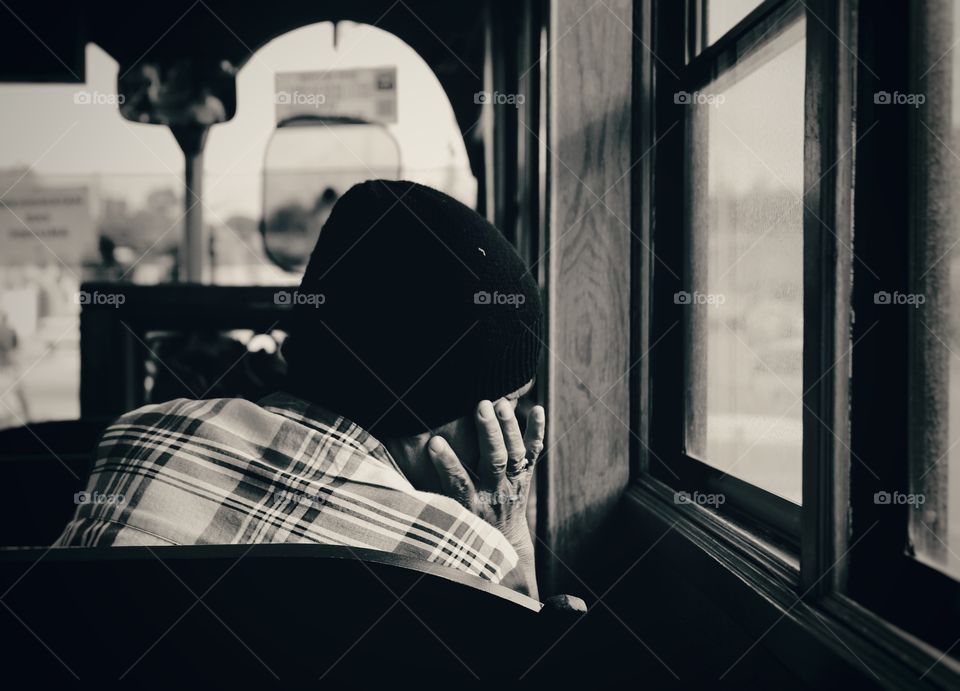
[(499, 490)]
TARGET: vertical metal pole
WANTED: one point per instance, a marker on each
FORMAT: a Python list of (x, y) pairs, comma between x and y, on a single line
[(193, 246)]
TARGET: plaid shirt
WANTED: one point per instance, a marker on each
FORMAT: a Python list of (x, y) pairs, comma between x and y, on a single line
[(227, 471)]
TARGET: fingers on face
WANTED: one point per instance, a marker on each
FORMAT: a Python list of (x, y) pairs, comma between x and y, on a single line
[(512, 438), (454, 480), (510, 429), (533, 436), (493, 450)]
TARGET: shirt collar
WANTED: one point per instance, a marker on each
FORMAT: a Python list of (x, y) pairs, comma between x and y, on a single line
[(326, 421)]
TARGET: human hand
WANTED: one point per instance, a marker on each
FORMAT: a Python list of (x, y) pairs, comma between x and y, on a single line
[(499, 493)]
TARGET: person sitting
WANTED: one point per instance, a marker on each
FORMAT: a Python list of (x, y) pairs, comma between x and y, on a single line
[(415, 330)]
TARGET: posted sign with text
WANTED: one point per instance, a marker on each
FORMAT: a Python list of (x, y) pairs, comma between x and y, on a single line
[(44, 225), (368, 94)]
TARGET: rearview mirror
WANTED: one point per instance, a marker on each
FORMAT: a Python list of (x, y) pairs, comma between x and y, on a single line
[(178, 93)]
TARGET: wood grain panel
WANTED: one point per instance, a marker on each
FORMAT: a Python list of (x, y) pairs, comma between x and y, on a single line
[(588, 281)]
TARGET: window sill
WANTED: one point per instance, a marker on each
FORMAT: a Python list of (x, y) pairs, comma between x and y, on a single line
[(756, 582), (721, 537)]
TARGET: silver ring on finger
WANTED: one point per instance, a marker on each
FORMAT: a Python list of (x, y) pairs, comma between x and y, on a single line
[(522, 466)]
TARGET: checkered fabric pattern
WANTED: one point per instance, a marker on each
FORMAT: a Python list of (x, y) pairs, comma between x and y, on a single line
[(229, 471)]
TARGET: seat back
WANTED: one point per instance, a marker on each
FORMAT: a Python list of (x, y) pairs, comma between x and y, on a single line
[(42, 467), (154, 616), (255, 613)]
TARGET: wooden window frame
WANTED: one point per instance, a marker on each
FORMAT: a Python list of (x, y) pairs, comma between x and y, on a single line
[(687, 65), (849, 569), (892, 415)]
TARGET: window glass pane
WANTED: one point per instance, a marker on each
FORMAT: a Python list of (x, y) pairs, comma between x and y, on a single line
[(289, 178), (127, 225), (744, 293), (84, 196), (723, 15), (934, 496)]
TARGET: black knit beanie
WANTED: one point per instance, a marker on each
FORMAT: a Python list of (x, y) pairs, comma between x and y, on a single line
[(411, 295)]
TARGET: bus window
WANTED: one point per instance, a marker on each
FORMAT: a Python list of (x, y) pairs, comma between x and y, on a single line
[(71, 210), (258, 177), (259, 169), (745, 301)]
